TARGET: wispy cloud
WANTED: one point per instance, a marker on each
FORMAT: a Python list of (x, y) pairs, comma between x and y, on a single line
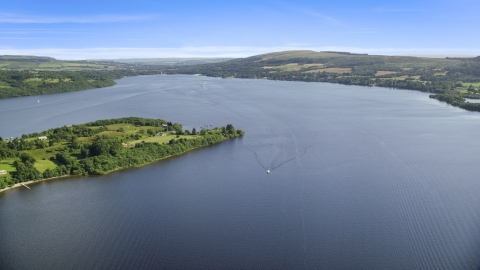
[(325, 18), (112, 53), (396, 10), (31, 38), (216, 51), (106, 18)]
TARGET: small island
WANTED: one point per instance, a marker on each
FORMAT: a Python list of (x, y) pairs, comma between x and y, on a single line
[(99, 147)]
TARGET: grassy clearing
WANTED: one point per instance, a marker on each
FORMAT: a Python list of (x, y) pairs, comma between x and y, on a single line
[(331, 70), (34, 80), (289, 67), (313, 65), (51, 80), (315, 70), (7, 164), (42, 157), (128, 130), (42, 165), (338, 70), (38, 81), (50, 65), (126, 127), (384, 72), (401, 78), (161, 139), (4, 85), (473, 84)]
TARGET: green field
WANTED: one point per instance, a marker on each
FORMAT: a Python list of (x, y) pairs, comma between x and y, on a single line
[(473, 84), (4, 85), (51, 64), (7, 164), (162, 139), (42, 165), (41, 155)]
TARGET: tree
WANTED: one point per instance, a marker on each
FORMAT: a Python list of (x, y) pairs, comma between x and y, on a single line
[(177, 127), (24, 157), (194, 131)]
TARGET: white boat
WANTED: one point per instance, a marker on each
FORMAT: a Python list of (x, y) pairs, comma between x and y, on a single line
[(268, 170)]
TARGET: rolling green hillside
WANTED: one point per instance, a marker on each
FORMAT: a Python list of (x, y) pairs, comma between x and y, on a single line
[(33, 75)]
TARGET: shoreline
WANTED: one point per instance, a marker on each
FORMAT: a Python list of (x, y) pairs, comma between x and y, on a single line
[(34, 181)]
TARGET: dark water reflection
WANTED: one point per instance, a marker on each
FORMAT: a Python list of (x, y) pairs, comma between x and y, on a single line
[(375, 179)]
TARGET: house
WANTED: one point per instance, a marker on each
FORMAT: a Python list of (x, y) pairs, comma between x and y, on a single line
[(42, 138), (3, 172), (162, 134)]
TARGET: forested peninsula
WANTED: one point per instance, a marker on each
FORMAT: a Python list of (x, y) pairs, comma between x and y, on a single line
[(99, 147)]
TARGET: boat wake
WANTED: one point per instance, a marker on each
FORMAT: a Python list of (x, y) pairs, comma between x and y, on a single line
[(272, 166)]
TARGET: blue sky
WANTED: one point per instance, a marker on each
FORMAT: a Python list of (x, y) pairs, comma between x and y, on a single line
[(184, 28)]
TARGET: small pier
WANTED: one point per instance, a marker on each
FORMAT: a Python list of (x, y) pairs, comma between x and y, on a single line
[(24, 185)]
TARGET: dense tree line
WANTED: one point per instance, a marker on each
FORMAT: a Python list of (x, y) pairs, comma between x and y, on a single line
[(6, 151), (457, 100), (137, 121)]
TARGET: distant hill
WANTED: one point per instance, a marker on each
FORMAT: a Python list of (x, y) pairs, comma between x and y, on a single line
[(307, 65), (26, 58), (443, 55), (166, 61), (344, 59)]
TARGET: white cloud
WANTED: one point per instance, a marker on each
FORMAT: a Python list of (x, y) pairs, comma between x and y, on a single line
[(106, 18), (215, 51)]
